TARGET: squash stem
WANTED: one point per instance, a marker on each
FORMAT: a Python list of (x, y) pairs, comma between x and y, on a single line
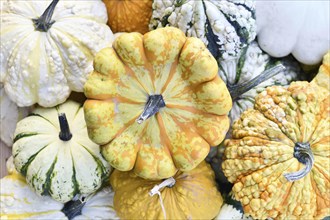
[(44, 22), (153, 105), (170, 182), (73, 208), (237, 90), (65, 134), (303, 153)]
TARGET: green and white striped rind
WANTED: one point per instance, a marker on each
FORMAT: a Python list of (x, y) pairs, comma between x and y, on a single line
[(19, 201), (252, 63), (54, 167), (225, 26)]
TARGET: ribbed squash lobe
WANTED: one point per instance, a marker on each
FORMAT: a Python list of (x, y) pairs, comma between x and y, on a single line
[(161, 62)]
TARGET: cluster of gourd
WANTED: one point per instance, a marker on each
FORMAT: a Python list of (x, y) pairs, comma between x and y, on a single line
[(187, 83)]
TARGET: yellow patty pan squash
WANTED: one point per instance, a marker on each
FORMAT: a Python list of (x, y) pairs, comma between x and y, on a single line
[(187, 195), (279, 156), (155, 103)]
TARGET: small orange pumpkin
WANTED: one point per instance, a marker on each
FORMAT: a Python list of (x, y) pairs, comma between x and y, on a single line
[(129, 15)]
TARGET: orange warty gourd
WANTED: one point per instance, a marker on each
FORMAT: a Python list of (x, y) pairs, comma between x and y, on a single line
[(156, 103), (191, 195), (279, 156), (129, 15)]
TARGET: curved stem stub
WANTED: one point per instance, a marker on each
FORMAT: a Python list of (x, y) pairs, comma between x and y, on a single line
[(153, 105), (303, 153), (239, 89), (44, 22), (65, 133)]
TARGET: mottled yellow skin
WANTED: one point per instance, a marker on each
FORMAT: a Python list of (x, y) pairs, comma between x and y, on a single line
[(323, 76), (194, 195), (179, 136), (262, 147)]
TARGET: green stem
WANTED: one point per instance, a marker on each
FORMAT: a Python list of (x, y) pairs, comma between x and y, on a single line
[(239, 89), (303, 153), (153, 105), (65, 134), (44, 22)]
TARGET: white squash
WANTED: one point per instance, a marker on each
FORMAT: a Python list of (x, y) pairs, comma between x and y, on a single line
[(44, 58), (98, 205), (297, 27), (52, 149), (10, 114), (225, 27), (19, 201)]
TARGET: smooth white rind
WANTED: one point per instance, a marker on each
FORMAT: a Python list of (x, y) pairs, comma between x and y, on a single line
[(297, 27), (10, 114), (99, 206)]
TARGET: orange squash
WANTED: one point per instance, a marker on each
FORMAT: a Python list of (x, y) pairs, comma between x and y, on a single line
[(129, 15), (189, 195), (279, 156)]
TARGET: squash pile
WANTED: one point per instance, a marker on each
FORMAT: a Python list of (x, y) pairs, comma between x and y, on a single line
[(165, 109)]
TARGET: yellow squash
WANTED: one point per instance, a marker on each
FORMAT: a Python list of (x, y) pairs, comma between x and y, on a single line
[(191, 195), (279, 157), (155, 103)]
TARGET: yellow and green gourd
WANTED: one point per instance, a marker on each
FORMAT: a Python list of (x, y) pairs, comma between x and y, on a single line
[(156, 103)]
